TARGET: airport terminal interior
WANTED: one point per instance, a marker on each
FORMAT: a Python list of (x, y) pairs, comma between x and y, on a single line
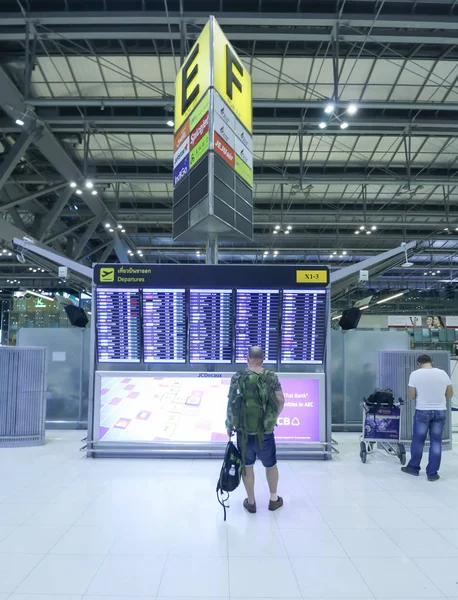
[(182, 182)]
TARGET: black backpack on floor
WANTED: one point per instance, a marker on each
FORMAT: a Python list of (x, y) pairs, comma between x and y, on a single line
[(229, 477)]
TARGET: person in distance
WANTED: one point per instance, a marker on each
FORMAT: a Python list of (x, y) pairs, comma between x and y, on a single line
[(429, 387), (255, 401)]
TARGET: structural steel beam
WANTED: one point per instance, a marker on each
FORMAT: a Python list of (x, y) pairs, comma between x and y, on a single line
[(69, 230), (257, 103), (273, 178), (127, 19), (49, 220), (13, 104), (28, 197), (84, 239), (15, 154), (41, 250), (108, 250)]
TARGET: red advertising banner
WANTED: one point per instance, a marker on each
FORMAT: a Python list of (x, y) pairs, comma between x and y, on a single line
[(199, 130), (224, 150)]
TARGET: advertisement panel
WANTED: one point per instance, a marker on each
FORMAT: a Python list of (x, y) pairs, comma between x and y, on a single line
[(242, 151), (199, 150), (223, 130), (181, 170), (221, 109), (181, 153), (181, 136), (199, 130), (243, 170), (244, 136), (199, 112), (192, 408), (225, 151)]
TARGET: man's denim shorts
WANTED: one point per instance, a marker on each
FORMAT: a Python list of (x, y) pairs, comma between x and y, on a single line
[(267, 454)]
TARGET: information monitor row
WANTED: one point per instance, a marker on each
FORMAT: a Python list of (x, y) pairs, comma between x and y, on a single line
[(210, 325)]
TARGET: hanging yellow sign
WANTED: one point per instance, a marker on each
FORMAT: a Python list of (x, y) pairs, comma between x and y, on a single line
[(231, 78), (213, 62), (193, 79)]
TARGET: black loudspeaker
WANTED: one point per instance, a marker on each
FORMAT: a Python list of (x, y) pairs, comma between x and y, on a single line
[(350, 318), (76, 315)]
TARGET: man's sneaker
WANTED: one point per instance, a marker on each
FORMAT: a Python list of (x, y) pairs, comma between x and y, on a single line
[(409, 471), (276, 504), (251, 508), (435, 477)]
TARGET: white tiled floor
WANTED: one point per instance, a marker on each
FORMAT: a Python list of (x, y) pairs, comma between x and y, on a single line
[(77, 529)]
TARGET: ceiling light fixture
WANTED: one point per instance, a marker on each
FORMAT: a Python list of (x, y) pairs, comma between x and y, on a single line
[(344, 125), (352, 109), (79, 192), (89, 184), (111, 230), (322, 125), (275, 252), (20, 122), (170, 123), (119, 226), (72, 184), (123, 231), (94, 192), (390, 298), (329, 108)]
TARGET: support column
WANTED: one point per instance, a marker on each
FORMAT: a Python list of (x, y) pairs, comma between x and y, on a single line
[(211, 257)]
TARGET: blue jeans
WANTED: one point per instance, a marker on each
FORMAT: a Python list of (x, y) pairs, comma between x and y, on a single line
[(432, 421)]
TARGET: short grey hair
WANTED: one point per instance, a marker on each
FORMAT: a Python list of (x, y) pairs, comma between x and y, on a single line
[(256, 353)]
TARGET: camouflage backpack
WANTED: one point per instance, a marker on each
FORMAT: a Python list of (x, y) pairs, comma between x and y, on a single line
[(252, 407)]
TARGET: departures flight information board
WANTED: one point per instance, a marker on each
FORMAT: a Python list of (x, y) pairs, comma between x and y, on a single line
[(257, 323), (303, 325), (167, 318), (210, 326), (118, 325), (164, 326)]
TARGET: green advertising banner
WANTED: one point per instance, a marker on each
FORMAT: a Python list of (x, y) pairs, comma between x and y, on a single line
[(199, 150), (200, 110), (243, 170)]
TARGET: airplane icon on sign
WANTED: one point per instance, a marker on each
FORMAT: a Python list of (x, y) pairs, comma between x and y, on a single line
[(106, 275)]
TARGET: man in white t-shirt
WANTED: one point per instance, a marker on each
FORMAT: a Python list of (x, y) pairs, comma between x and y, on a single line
[(429, 387)]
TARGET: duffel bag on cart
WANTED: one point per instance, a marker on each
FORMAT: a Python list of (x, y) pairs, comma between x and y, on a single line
[(380, 398)]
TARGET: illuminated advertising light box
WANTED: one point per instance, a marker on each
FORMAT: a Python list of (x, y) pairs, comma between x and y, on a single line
[(181, 407)]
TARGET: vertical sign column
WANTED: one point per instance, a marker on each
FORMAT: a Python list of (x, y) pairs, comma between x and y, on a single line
[(213, 161)]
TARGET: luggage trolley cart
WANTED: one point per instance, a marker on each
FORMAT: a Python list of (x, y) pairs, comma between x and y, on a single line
[(382, 425)]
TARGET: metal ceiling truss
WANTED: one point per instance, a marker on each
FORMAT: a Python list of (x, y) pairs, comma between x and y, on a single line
[(63, 127)]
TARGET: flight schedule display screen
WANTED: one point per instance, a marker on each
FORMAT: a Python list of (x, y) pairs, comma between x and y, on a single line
[(118, 325), (303, 326), (257, 323), (210, 314), (164, 325), (210, 326)]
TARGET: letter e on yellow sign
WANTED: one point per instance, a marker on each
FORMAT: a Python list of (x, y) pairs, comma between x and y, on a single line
[(193, 79)]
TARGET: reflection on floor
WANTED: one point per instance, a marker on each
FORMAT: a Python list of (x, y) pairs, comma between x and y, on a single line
[(72, 528)]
